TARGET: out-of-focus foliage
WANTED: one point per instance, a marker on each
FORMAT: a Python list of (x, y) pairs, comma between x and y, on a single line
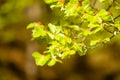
[(11, 11), (16, 48), (79, 26)]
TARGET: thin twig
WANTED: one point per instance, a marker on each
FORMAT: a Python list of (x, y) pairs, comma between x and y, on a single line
[(94, 3), (108, 30), (112, 36), (110, 5), (116, 17)]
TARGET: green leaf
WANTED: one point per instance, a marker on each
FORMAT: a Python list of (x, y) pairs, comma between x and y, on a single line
[(57, 5), (51, 62), (65, 54), (93, 25), (86, 32), (50, 35), (52, 28), (36, 55), (87, 17), (104, 15), (62, 38), (94, 42), (102, 12), (39, 31), (71, 8), (75, 27), (59, 36), (85, 2), (99, 28), (31, 25), (86, 6), (72, 52), (77, 47), (55, 43), (68, 40), (106, 40), (50, 1), (84, 52), (40, 60), (101, 0)]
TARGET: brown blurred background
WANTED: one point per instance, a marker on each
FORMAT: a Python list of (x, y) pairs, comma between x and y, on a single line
[(16, 47)]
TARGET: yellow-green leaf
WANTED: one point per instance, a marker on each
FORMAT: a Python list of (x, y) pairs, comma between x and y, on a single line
[(31, 25), (51, 62), (40, 59)]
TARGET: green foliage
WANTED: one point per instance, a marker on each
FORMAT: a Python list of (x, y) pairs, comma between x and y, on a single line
[(12, 12), (41, 59), (101, 0), (12, 9), (80, 28)]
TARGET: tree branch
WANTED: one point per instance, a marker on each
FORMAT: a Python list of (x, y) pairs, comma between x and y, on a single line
[(108, 30), (110, 5), (116, 17), (93, 4)]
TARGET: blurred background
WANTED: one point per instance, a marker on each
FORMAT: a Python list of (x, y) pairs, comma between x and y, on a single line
[(16, 47)]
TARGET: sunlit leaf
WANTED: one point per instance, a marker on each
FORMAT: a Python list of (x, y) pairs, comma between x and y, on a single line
[(104, 15), (106, 40), (31, 25), (101, 0), (51, 62), (94, 42), (50, 35), (93, 25), (71, 8), (78, 47), (65, 54), (50, 1), (72, 52), (39, 31), (75, 26), (40, 60), (52, 27), (99, 28)]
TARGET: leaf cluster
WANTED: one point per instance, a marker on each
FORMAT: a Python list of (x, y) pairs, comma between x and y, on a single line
[(80, 28)]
